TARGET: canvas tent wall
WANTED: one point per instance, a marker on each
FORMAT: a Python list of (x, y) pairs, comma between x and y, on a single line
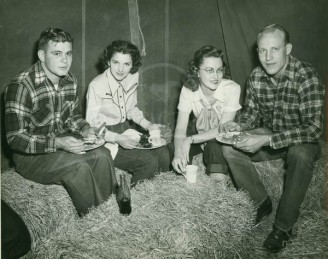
[(172, 31)]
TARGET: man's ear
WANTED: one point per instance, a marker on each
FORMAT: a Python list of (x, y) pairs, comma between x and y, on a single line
[(41, 55), (289, 47)]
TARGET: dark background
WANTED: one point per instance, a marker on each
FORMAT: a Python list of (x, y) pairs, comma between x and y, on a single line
[(173, 30)]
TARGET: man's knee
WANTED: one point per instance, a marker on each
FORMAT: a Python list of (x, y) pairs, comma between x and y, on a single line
[(228, 152), (103, 153), (303, 153)]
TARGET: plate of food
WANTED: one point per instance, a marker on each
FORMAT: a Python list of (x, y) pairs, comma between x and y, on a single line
[(229, 137), (92, 143), (146, 142)]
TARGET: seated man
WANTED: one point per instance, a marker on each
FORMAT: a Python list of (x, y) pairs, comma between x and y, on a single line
[(41, 113), (285, 97)]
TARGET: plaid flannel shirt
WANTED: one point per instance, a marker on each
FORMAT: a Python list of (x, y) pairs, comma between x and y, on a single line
[(293, 109), (35, 113)]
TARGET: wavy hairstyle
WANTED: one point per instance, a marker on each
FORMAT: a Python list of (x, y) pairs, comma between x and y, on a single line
[(125, 47), (191, 80), (53, 34)]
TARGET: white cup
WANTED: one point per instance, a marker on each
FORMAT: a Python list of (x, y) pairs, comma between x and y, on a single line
[(156, 133), (155, 137), (191, 173)]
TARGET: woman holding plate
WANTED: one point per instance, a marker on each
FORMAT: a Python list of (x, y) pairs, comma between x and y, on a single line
[(214, 101), (112, 99)]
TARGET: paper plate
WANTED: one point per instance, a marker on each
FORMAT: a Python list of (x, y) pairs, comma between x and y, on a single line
[(162, 142), (99, 143), (228, 137)]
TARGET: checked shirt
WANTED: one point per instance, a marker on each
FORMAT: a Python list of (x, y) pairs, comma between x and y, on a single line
[(35, 112), (293, 109)]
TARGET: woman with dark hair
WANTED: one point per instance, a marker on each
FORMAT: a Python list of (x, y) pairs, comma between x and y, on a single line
[(214, 101), (112, 99)]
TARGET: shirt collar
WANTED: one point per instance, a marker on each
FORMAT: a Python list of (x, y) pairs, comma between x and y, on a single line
[(290, 70), (129, 82), (217, 93)]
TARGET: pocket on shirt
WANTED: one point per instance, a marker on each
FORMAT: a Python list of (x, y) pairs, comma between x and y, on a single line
[(291, 113), (42, 116)]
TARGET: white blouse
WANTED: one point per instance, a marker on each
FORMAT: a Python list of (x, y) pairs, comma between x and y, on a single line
[(111, 101), (227, 95)]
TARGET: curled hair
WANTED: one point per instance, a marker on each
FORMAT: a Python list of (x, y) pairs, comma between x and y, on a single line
[(272, 28), (191, 80), (124, 47), (53, 34)]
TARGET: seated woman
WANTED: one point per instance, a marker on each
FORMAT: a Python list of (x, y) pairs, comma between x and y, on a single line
[(112, 98), (214, 101)]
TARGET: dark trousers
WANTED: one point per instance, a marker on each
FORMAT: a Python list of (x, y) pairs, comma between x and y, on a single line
[(88, 178), (300, 163), (15, 238), (212, 156), (142, 164)]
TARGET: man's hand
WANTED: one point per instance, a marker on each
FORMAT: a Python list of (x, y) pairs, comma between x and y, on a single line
[(126, 141), (229, 126), (252, 143), (69, 144)]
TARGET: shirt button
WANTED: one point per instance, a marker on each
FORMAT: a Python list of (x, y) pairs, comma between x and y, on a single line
[(122, 107), (120, 96)]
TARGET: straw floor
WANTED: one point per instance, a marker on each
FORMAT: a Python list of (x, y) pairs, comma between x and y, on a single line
[(170, 219)]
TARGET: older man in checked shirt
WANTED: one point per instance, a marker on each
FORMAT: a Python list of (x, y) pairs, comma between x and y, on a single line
[(283, 112), (42, 111)]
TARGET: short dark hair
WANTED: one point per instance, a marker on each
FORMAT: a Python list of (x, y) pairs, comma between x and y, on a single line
[(125, 47), (191, 80), (53, 34), (273, 28)]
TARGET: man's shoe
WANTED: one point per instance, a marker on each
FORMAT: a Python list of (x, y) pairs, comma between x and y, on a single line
[(277, 240), (265, 209)]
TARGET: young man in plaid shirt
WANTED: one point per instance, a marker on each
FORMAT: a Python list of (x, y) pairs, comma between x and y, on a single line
[(283, 112), (42, 110)]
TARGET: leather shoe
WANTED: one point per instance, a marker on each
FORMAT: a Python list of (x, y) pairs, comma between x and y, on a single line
[(265, 209), (277, 240)]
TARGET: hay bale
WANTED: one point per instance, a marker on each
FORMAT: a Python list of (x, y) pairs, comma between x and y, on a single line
[(42, 207), (170, 219)]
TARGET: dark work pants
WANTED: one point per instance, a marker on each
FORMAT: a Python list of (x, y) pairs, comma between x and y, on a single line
[(300, 163), (88, 178), (142, 163), (15, 238)]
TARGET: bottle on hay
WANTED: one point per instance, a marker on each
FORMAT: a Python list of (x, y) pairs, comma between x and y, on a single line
[(123, 196)]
